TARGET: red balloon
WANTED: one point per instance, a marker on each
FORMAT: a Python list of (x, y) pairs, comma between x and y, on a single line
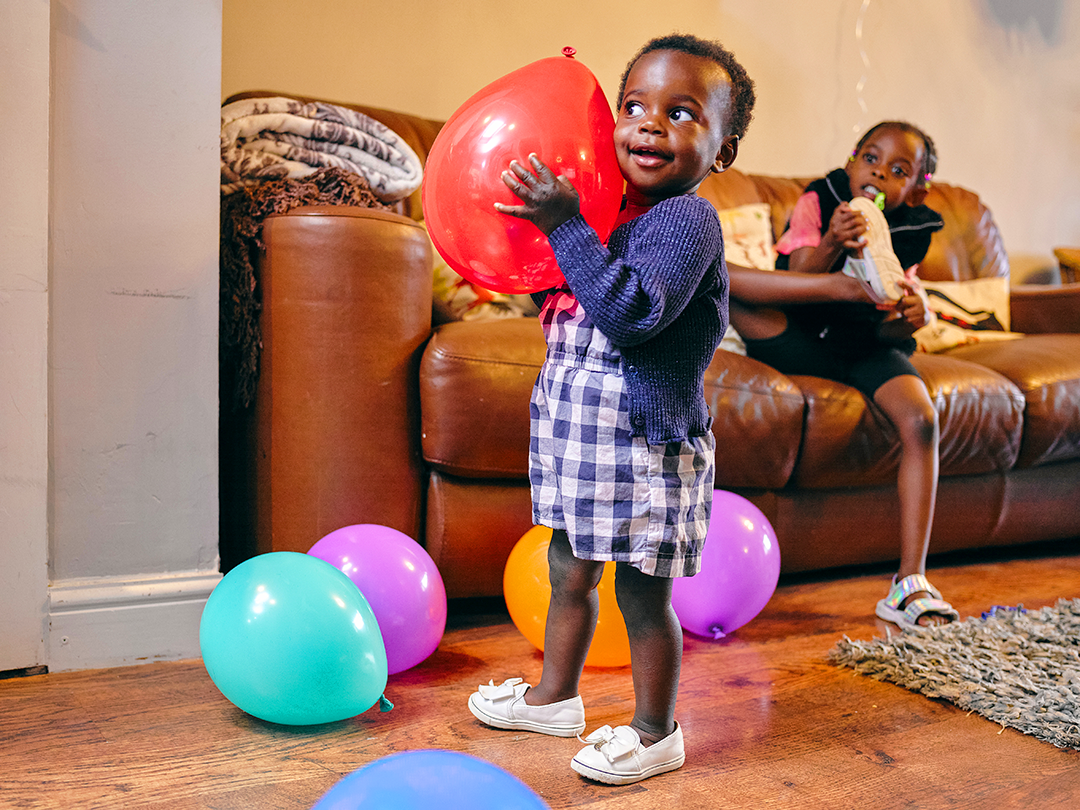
[(553, 107)]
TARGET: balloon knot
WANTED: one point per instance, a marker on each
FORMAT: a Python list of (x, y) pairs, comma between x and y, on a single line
[(569, 52), (384, 704), (717, 632)]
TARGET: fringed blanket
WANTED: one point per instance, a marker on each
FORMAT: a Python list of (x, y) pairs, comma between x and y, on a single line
[(276, 137), (242, 216)]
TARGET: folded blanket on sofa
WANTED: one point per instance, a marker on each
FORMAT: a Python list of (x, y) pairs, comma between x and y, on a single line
[(276, 137)]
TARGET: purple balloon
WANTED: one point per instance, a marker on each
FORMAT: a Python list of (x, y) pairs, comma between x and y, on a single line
[(740, 566), (400, 582)]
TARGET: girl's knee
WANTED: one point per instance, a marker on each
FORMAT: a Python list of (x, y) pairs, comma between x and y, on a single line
[(921, 425)]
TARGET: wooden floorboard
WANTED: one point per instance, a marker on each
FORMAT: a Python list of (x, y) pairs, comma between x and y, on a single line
[(768, 721)]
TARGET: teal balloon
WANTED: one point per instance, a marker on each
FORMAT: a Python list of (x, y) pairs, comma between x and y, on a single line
[(290, 639)]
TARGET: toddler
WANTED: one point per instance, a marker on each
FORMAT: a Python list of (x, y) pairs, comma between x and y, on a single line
[(621, 448)]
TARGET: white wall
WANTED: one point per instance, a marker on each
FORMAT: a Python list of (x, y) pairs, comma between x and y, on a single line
[(24, 324), (995, 82), (132, 325)]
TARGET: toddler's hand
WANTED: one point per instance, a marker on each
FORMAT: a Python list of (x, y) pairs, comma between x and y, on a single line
[(846, 228), (547, 201)]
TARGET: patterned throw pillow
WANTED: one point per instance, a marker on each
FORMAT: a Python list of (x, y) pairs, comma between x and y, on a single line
[(748, 242), (965, 312), (463, 300)]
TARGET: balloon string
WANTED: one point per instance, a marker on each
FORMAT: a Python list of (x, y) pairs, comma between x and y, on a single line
[(866, 65)]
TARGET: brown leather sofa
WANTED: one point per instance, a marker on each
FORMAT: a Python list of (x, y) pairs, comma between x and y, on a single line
[(365, 414)]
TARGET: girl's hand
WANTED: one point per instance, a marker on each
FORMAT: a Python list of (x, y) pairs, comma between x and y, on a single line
[(846, 228), (911, 309), (547, 201)]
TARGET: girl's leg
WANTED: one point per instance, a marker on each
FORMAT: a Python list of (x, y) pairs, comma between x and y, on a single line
[(655, 650), (571, 621), (907, 403)]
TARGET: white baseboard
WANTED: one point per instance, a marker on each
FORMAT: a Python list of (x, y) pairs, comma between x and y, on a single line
[(119, 621)]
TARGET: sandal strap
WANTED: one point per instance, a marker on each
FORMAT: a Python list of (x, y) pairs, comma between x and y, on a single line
[(913, 583), (918, 608)]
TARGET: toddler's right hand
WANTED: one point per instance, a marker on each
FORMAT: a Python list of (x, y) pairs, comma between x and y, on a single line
[(547, 201), (847, 228)]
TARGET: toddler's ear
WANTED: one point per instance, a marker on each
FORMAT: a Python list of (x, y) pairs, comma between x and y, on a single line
[(917, 196), (729, 149)]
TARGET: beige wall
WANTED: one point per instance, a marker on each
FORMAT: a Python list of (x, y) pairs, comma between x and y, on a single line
[(995, 82)]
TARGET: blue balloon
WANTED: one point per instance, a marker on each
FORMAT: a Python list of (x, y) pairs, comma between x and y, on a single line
[(288, 638), (422, 780)]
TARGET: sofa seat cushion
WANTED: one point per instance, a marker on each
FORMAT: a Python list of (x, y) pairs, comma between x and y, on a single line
[(849, 442), (1046, 368), (757, 422), (476, 378)]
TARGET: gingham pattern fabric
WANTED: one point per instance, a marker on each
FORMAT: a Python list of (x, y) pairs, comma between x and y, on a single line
[(617, 496)]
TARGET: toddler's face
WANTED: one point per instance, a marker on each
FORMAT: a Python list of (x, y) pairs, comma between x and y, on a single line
[(889, 161), (669, 133)]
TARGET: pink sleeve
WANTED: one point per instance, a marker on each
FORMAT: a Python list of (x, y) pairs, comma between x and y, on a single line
[(804, 229)]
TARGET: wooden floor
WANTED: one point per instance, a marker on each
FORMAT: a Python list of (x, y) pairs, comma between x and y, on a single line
[(768, 722)]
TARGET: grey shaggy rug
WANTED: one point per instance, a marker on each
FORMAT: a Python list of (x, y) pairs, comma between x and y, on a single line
[(1018, 668)]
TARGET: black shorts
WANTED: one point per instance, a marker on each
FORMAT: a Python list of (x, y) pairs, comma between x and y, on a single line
[(799, 351)]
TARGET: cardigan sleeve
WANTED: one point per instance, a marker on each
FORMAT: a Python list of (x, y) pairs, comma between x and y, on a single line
[(651, 270)]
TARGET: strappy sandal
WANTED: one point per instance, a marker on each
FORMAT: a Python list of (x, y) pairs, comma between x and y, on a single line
[(908, 617)]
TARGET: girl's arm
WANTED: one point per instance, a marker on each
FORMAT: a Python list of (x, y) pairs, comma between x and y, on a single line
[(846, 231), (782, 288)]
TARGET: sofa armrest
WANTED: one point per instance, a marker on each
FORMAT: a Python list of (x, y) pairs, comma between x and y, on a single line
[(1040, 308), (346, 314)]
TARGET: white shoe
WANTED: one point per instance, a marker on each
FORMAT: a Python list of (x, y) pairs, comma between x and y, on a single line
[(504, 706), (879, 270), (616, 756)]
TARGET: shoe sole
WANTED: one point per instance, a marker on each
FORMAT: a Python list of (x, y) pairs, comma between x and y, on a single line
[(614, 778), (523, 725)]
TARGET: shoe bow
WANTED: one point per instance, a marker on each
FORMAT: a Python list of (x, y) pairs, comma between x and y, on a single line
[(503, 691), (614, 744)]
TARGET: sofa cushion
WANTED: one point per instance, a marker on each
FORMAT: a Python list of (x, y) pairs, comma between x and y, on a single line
[(757, 422), (849, 442), (476, 378), (966, 312), (1046, 369)]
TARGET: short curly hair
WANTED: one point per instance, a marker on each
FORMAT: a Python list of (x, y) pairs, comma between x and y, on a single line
[(742, 86)]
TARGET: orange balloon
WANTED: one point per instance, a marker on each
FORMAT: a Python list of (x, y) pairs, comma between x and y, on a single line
[(528, 593)]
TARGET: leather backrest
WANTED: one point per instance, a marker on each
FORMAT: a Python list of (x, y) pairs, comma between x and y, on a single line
[(969, 246)]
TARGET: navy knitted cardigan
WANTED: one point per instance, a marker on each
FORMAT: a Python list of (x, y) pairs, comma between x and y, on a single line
[(659, 292)]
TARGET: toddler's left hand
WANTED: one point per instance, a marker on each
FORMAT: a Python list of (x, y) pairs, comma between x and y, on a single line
[(547, 201)]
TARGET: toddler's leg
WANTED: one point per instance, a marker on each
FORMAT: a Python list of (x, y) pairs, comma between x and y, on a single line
[(553, 706), (652, 744), (655, 649), (571, 622)]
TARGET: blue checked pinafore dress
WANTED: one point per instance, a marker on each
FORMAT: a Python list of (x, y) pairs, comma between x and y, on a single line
[(617, 496)]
